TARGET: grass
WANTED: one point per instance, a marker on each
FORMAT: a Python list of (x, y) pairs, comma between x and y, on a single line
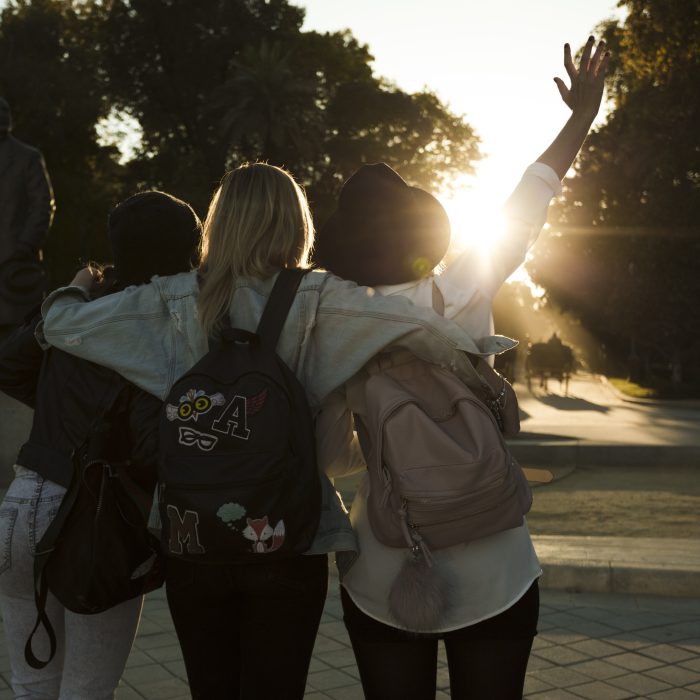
[(629, 388)]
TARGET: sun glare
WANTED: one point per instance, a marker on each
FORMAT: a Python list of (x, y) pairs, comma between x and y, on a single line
[(476, 219), (478, 224)]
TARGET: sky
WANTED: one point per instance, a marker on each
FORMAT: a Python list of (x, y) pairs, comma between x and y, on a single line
[(491, 60)]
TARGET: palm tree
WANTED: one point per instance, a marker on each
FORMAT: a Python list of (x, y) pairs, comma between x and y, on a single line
[(267, 109)]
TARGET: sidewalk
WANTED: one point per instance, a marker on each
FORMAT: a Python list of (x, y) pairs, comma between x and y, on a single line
[(600, 647), (596, 425), (608, 643)]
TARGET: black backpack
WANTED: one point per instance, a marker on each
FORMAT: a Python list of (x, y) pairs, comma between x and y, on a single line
[(237, 468), (97, 552)]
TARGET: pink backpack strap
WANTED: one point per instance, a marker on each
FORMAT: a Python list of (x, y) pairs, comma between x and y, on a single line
[(438, 300)]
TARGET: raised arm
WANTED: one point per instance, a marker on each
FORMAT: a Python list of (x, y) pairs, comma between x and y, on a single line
[(525, 211), (583, 99)]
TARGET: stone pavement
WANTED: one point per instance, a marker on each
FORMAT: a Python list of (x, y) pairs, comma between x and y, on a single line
[(600, 647), (591, 645)]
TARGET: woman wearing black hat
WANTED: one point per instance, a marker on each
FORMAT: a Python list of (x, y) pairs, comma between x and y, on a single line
[(150, 233), (390, 235)]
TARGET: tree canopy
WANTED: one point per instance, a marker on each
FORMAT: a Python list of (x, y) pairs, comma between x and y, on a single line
[(638, 286), (212, 83)]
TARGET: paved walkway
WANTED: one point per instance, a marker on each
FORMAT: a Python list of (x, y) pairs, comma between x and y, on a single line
[(601, 647), (595, 412)]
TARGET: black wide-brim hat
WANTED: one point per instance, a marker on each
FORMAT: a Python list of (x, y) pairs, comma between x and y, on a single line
[(22, 281), (384, 231)]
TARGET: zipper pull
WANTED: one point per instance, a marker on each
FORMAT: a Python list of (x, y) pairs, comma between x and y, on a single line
[(413, 538)]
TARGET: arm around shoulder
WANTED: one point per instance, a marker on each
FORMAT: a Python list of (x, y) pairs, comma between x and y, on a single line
[(129, 332), (355, 323)]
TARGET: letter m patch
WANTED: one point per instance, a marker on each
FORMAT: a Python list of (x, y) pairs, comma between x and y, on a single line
[(184, 531)]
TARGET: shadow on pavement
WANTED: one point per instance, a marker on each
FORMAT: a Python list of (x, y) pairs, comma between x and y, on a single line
[(571, 403), (542, 437)]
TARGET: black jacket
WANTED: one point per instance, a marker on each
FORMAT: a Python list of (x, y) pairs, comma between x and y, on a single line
[(26, 210), (68, 396)]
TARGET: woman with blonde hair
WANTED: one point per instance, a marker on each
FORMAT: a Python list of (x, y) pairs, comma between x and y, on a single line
[(248, 631)]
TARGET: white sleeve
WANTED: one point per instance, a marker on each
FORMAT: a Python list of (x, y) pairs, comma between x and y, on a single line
[(525, 214)]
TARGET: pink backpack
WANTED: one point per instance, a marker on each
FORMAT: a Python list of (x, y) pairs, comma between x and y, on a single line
[(439, 469)]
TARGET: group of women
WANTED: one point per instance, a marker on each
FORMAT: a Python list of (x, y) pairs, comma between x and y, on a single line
[(248, 631)]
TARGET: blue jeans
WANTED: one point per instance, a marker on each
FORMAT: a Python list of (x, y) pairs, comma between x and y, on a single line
[(92, 650)]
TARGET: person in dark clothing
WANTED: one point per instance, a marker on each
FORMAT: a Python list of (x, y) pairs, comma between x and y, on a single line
[(26, 210), (151, 233)]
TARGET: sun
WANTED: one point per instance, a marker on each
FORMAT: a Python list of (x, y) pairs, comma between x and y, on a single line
[(476, 219), (479, 225)]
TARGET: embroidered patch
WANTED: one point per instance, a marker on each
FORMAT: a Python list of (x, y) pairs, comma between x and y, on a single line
[(259, 532), (193, 438), (233, 419), (229, 513), (184, 529), (253, 404), (193, 404)]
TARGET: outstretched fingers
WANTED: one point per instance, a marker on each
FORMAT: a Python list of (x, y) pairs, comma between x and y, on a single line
[(602, 67), (586, 56), (568, 63), (597, 59)]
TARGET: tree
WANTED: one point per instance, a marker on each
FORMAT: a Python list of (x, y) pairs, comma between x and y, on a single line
[(211, 83), (49, 73), (269, 110), (641, 169), (262, 88)]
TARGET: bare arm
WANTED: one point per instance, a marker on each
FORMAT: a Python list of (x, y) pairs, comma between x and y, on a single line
[(583, 98)]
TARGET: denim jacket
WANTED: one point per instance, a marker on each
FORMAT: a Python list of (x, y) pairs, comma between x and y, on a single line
[(151, 335)]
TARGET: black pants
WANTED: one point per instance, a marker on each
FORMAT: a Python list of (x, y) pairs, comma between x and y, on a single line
[(486, 661), (247, 632)]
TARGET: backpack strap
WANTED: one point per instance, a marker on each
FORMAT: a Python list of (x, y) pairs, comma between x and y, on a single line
[(47, 543), (278, 305), (438, 300)]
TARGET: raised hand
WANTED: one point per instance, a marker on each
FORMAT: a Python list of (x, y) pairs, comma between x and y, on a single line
[(587, 83)]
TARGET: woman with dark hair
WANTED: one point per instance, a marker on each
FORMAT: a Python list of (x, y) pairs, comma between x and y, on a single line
[(150, 233), (386, 234)]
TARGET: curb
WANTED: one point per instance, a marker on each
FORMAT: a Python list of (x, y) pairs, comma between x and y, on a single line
[(608, 578), (579, 453), (692, 404), (638, 566)]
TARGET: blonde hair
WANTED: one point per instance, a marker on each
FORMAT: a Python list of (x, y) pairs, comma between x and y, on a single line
[(258, 222)]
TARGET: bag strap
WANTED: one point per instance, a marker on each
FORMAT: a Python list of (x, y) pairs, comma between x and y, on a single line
[(44, 549), (439, 308), (438, 300), (278, 305), (48, 541)]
